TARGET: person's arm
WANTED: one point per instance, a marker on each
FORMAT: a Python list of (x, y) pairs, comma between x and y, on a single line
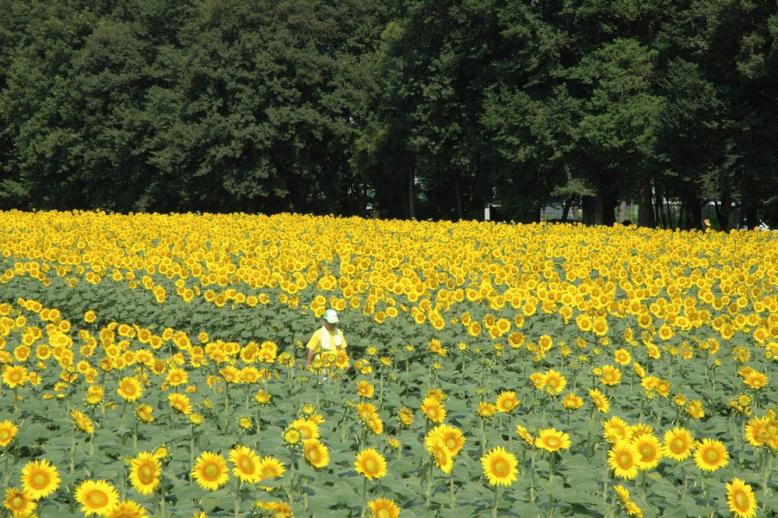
[(313, 344)]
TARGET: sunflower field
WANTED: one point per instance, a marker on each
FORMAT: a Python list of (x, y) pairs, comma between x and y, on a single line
[(155, 365)]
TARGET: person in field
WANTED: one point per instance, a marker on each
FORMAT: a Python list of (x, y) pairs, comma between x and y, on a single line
[(327, 340)]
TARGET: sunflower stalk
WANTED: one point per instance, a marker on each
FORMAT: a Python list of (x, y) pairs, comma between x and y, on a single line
[(162, 512), (428, 494), (496, 501), (766, 467), (73, 451), (451, 492), (364, 497), (237, 497)]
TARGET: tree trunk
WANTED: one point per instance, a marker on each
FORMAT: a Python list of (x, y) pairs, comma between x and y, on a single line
[(566, 209), (588, 208), (604, 203), (646, 208), (458, 194), (412, 193), (693, 206), (724, 209), (752, 215)]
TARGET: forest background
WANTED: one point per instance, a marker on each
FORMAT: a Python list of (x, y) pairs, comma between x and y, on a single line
[(396, 109)]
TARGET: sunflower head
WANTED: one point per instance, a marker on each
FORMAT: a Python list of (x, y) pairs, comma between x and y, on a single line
[(383, 508), (210, 471), (145, 471), (270, 468), (8, 431), (741, 499), (711, 455), (316, 453), (370, 463), (19, 503), (246, 464), (97, 497), (500, 467), (40, 479)]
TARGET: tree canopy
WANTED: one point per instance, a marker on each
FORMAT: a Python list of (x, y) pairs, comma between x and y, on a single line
[(396, 109)]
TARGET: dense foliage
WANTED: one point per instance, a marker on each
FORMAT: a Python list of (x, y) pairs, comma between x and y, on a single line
[(402, 109)]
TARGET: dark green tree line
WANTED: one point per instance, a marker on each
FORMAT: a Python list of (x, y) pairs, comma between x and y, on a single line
[(398, 109)]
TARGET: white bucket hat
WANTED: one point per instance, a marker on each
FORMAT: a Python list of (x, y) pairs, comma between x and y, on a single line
[(331, 316)]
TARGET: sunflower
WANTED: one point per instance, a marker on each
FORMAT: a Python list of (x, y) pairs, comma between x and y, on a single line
[(316, 453), (97, 497), (128, 509), (599, 400), (210, 471), (176, 376), (145, 413), (308, 428), (610, 375), (145, 471), (757, 431), (623, 459), (507, 401), (524, 434), (375, 424), (486, 409), (678, 444), (572, 401), (130, 389), (622, 357), (443, 458), (270, 468), (383, 508), (180, 402), (39, 479), (741, 499), (452, 438), (500, 467), (755, 380), (292, 436), (406, 416), (650, 450), (365, 389), (246, 464), (638, 429), (552, 440), (20, 503), (616, 429), (711, 455), (8, 431), (433, 409), (82, 421), (14, 376), (370, 463), (554, 382)]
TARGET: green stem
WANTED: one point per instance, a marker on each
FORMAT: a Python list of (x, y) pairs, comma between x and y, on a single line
[(73, 452), (766, 473), (237, 497), (496, 500), (451, 491), (191, 448), (483, 438), (364, 497), (429, 484)]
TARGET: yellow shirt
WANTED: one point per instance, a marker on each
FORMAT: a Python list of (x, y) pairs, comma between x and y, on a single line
[(319, 342)]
